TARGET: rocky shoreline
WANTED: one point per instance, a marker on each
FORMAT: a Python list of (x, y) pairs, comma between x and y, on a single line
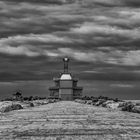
[(6, 106), (113, 104)]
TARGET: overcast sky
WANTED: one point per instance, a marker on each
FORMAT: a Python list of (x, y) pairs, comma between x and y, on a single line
[(101, 37)]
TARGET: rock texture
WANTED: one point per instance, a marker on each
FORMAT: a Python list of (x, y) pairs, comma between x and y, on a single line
[(68, 120), (129, 106), (9, 106)]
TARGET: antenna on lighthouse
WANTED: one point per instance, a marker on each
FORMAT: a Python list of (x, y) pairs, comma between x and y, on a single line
[(66, 61)]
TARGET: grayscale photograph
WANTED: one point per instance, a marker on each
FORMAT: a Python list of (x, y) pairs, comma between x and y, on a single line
[(69, 69)]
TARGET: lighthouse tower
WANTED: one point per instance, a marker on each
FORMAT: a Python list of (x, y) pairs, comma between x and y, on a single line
[(66, 86)]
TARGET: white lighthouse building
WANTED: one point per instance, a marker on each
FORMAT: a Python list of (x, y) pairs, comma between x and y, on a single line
[(65, 86)]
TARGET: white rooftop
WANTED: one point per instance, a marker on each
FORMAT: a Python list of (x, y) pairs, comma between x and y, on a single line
[(65, 77)]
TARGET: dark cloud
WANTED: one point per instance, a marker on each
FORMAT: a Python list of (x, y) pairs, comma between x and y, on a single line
[(84, 3), (35, 36), (42, 1), (133, 3)]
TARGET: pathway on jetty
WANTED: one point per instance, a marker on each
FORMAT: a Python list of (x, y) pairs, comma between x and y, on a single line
[(69, 120)]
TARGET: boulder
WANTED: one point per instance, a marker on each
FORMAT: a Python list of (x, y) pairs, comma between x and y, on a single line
[(121, 104), (25, 104), (105, 103), (114, 105), (9, 106), (99, 102), (94, 101), (136, 109), (80, 101), (51, 100), (89, 102), (128, 106), (31, 105)]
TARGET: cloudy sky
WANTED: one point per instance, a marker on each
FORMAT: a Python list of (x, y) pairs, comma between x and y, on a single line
[(101, 37)]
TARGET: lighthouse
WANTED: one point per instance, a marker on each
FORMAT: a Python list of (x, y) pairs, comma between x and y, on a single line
[(65, 86)]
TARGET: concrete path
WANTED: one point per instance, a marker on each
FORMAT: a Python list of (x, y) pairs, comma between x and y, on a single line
[(68, 120)]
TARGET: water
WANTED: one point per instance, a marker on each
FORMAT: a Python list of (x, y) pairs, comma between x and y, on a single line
[(116, 89)]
